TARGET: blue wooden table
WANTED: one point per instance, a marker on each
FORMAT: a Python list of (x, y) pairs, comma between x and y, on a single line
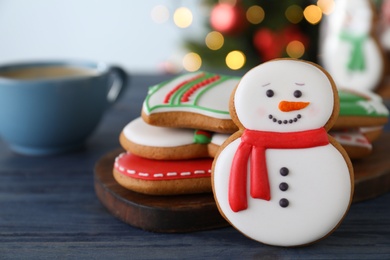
[(49, 210)]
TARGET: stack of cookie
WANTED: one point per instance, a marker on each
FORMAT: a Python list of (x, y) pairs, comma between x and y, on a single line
[(170, 148), (360, 122)]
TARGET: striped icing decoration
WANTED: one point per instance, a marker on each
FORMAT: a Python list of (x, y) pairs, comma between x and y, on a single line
[(179, 86), (186, 96), (141, 168), (167, 96), (352, 139)]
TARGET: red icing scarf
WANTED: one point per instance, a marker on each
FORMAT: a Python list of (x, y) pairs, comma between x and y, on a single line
[(253, 145)]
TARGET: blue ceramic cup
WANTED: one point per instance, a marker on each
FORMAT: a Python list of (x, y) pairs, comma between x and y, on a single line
[(52, 107)]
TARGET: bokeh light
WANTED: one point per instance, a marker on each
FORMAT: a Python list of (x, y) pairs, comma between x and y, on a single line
[(294, 14), (182, 17), (295, 49), (192, 61), (327, 6), (214, 40), (313, 14), (223, 17), (160, 14), (235, 60), (255, 14)]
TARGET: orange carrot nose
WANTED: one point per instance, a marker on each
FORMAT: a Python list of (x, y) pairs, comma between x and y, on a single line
[(287, 106)]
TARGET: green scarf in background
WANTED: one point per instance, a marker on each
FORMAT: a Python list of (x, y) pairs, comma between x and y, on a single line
[(356, 61)]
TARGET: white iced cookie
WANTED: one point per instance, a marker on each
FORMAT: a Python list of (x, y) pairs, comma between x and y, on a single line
[(167, 143), (281, 179), (198, 100), (350, 50)]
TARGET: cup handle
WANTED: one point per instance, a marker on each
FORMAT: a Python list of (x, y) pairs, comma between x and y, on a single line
[(120, 80)]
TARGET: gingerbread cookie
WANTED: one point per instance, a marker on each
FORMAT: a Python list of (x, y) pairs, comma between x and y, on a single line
[(361, 119), (164, 143), (158, 177), (281, 179), (371, 133), (355, 143), (207, 107), (350, 49), (198, 100), (360, 109)]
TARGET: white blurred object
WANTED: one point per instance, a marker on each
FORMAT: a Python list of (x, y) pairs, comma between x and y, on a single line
[(349, 50)]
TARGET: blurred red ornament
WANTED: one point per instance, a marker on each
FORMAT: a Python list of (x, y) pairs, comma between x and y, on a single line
[(228, 19), (271, 45), (292, 33), (268, 44)]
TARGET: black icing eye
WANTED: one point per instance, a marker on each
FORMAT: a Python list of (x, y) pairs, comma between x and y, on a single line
[(270, 93), (297, 93)]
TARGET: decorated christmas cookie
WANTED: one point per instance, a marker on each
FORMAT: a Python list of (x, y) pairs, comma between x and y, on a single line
[(197, 100), (156, 177), (361, 119), (360, 109), (281, 179), (163, 143), (371, 133), (355, 143), (350, 50), (207, 107)]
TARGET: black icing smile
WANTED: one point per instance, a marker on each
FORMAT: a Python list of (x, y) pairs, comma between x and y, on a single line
[(290, 121)]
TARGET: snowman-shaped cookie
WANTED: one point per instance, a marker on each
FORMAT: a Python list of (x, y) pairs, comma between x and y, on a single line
[(281, 179), (350, 50)]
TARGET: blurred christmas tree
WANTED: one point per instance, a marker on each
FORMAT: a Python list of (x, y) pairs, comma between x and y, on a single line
[(242, 34)]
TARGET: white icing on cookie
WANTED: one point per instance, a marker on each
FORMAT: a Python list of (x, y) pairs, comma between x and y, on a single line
[(158, 92), (368, 129), (305, 186), (139, 132), (372, 106), (319, 195), (219, 139), (349, 51), (351, 138), (363, 103), (211, 100), (255, 112)]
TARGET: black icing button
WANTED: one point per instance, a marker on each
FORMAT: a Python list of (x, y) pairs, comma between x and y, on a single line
[(283, 186), (283, 203), (284, 171)]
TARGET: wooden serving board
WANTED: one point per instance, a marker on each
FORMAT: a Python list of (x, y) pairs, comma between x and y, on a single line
[(170, 214), (372, 174), (186, 213)]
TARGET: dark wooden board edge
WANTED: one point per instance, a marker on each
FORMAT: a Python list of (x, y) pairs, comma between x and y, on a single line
[(169, 214), (372, 174)]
